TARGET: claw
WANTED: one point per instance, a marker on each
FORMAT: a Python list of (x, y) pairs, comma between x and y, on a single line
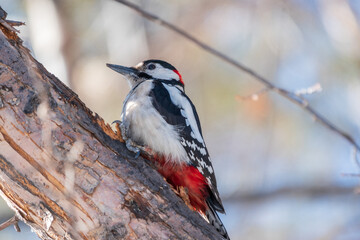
[(131, 146), (137, 155), (117, 121)]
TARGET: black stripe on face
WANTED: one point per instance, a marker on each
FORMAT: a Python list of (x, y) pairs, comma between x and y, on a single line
[(144, 75)]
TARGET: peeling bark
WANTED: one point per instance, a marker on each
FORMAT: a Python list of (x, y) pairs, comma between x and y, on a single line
[(65, 172)]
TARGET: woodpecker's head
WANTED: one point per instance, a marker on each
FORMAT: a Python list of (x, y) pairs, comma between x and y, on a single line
[(156, 70)]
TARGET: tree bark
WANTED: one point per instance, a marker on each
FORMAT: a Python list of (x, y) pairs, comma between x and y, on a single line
[(63, 170)]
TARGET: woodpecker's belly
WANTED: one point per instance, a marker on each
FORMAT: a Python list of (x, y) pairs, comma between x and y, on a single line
[(145, 126)]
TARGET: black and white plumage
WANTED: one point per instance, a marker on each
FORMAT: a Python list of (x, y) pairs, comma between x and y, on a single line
[(158, 116)]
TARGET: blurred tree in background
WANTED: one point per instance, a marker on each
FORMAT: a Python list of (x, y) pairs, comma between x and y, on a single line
[(282, 175)]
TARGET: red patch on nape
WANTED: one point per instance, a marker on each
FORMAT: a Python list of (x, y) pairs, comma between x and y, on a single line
[(180, 77)]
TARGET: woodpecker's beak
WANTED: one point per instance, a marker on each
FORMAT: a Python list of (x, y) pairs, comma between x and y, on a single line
[(126, 71)]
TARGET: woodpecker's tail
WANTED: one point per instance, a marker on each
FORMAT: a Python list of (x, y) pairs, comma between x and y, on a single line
[(214, 220)]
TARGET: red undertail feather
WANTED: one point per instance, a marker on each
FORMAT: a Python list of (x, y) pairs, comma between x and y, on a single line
[(186, 176), (190, 178), (194, 182)]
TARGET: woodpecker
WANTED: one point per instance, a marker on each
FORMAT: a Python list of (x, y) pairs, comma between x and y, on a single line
[(160, 119)]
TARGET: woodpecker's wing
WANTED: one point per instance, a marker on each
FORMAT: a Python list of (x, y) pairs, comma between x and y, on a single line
[(178, 110)]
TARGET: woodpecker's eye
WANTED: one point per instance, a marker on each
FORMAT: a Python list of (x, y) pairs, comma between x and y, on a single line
[(151, 66)]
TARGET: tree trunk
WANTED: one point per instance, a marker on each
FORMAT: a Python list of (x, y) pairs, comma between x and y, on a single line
[(64, 171)]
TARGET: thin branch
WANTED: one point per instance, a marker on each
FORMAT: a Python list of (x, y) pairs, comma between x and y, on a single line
[(298, 100), (300, 93), (9, 24), (12, 221), (309, 90)]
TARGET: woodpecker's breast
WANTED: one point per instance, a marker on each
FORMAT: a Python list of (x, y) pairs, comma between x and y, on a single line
[(145, 126)]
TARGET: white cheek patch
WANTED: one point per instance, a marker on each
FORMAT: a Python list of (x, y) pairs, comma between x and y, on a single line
[(162, 73)]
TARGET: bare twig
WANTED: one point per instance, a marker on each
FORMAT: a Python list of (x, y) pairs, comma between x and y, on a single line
[(12, 221), (309, 90), (296, 99), (301, 92)]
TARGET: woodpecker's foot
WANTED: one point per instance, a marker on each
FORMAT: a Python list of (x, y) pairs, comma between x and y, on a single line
[(131, 146), (123, 130)]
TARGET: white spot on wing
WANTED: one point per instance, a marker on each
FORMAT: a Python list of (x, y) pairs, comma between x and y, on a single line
[(201, 170), (194, 146), (191, 155), (201, 162), (208, 180)]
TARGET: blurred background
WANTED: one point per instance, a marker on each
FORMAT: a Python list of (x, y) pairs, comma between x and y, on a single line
[(281, 175)]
